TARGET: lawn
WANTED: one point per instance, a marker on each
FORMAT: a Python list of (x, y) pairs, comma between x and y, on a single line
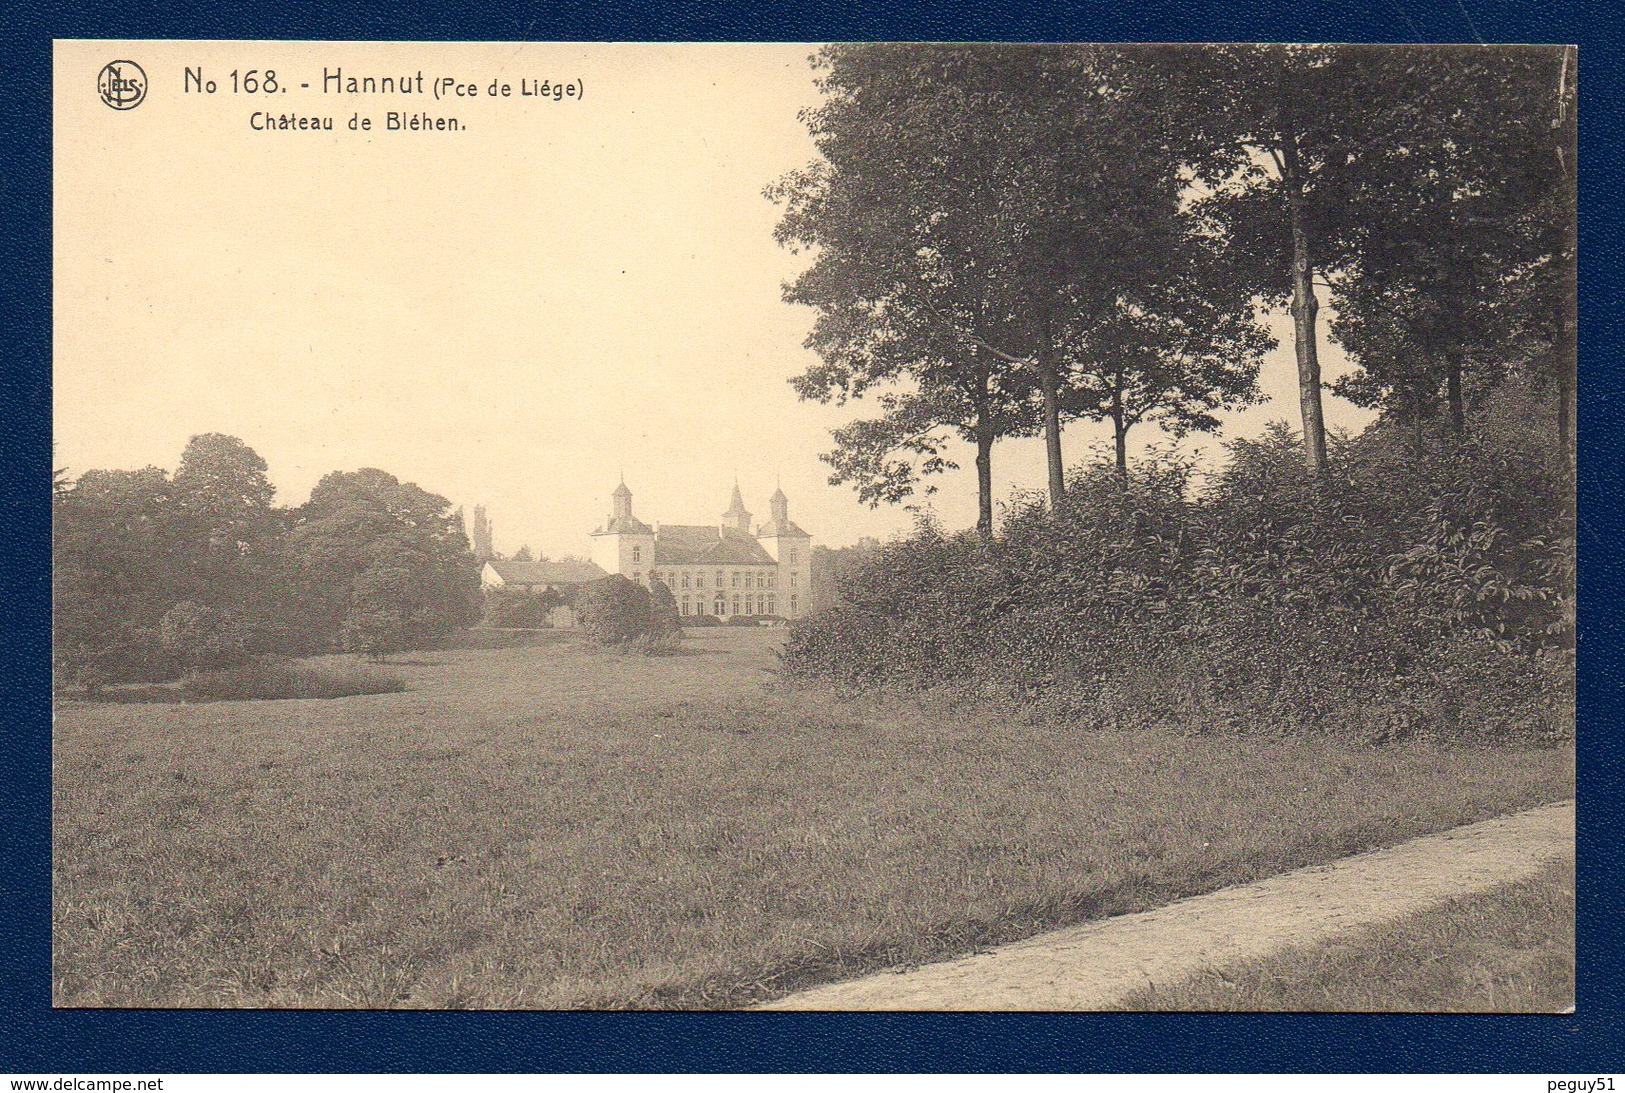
[(1507, 951), (562, 826)]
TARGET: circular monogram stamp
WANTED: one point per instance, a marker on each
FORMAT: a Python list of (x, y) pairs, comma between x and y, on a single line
[(122, 85)]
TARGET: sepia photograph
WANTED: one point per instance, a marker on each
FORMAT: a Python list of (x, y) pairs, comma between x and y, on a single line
[(882, 526)]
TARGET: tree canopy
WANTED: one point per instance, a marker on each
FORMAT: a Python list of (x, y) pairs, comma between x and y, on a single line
[(156, 572), (1000, 199), (1004, 238)]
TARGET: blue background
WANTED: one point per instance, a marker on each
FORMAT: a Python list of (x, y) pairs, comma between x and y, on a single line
[(36, 1039)]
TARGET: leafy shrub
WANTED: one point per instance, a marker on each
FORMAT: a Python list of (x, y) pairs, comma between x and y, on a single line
[(200, 636), (518, 608), (395, 604), (701, 620), (752, 620), (375, 631), (276, 679), (1398, 594), (665, 624), (121, 654), (614, 610)]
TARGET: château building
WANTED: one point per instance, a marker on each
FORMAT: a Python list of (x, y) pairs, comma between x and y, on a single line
[(724, 569)]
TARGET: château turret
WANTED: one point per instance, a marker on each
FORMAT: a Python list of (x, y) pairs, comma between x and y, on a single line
[(737, 517), (624, 544)]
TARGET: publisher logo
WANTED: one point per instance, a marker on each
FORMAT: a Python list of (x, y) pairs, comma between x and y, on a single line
[(122, 85)]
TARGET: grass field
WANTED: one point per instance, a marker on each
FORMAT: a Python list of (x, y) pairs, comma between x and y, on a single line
[(562, 826), (1508, 951)]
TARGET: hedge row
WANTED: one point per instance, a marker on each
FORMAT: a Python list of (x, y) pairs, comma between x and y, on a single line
[(1407, 591)]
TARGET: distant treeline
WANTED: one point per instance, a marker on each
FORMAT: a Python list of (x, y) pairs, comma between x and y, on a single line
[(1421, 584), (157, 573)]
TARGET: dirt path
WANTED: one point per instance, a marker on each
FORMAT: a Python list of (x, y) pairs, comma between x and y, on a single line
[(1092, 966)]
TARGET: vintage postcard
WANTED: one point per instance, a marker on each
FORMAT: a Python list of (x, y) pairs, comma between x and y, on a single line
[(813, 526)]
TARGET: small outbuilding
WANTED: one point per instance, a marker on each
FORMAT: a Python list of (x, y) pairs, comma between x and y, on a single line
[(562, 577)]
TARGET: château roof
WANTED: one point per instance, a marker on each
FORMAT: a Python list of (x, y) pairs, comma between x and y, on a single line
[(689, 544), (741, 551), (689, 540), (625, 525), (775, 528), (736, 507), (565, 572)]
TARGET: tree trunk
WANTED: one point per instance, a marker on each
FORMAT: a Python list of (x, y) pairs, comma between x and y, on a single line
[(982, 398), (1564, 374), (1051, 385), (984, 472), (1566, 133), (1564, 418), (1565, 354), (1452, 390), (1049, 380), (1120, 431), (1304, 307), (1419, 412)]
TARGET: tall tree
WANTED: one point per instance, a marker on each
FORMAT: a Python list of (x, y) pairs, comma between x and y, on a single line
[(886, 457), (117, 564), (483, 550), (1564, 209), (1276, 128), (364, 537), (221, 485), (1392, 330), (1403, 176), (1174, 351), (932, 387), (1007, 192), (1148, 366), (1455, 211), (232, 533)]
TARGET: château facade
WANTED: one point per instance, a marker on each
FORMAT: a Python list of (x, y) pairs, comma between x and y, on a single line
[(722, 570)]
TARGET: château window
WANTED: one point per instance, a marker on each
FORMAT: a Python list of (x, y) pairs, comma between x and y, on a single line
[(772, 580), (685, 585), (761, 580), (792, 580), (792, 605), (719, 608), (736, 580), (637, 554), (792, 557), (736, 605), (719, 578), (772, 607)]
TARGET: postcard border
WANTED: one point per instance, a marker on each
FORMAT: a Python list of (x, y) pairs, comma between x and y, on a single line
[(39, 1039)]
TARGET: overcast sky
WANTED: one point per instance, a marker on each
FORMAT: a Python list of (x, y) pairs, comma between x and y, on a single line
[(511, 315)]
